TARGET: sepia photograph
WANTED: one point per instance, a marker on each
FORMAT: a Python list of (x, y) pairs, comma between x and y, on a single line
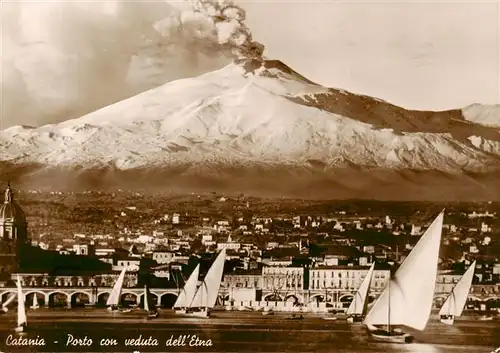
[(250, 176)]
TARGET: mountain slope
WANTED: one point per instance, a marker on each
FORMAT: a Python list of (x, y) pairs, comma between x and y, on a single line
[(251, 124)]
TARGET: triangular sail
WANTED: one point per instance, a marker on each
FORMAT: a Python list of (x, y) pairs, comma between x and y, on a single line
[(411, 290), (206, 295), (21, 310), (146, 298), (358, 304), (455, 303), (114, 297), (187, 294), (35, 301)]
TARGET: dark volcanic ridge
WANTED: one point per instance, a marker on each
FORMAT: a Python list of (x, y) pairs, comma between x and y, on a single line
[(306, 183)]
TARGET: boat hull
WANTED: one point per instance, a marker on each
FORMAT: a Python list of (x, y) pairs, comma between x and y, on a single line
[(295, 317), (34, 307), (20, 329), (395, 336), (355, 319), (115, 309), (153, 315), (266, 313), (485, 318), (447, 319), (201, 314), (180, 311)]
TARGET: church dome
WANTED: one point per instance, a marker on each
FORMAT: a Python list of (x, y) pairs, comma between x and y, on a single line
[(9, 210)]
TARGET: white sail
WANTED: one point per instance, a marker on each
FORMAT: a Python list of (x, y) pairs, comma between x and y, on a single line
[(21, 310), (114, 297), (206, 295), (146, 298), (455, 303), (187, 294), (358, 304), (408, 298), (10, 300), (35, 301)]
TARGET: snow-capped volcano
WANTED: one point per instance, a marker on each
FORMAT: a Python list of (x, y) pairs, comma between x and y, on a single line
[(248, 117)]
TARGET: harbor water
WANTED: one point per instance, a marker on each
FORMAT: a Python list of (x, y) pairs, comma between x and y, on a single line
[(97, 330)]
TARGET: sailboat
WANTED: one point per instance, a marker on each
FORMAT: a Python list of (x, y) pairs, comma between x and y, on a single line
[(407, 299), (115, 296), (22, 321), (357, 309), (151, 313), (187, 294), (8, 301), (35, 302), (455, 303), (206, 295)]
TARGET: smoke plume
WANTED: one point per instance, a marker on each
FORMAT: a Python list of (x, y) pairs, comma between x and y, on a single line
[(229, 22), (63, 59)]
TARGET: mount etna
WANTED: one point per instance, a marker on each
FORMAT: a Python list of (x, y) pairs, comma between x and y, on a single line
[(259, 127)]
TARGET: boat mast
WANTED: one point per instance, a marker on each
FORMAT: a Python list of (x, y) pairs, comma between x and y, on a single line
[(451, 309), (389, 308)]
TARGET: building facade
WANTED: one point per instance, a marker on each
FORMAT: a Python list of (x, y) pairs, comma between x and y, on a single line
[(346, 277), (283, 278)]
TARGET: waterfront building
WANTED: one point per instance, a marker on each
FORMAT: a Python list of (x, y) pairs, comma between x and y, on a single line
[(347, 277)]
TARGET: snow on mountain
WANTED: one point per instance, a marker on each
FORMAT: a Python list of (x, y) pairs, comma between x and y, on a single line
[(488, 115), (251, 116), (235, 115)]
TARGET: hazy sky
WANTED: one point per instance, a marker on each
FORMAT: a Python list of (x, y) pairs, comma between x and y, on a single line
[(63, 59), (423, 55)]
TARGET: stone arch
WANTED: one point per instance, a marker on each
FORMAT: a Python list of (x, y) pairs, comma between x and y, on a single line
[(439, 300), (492, 303), (317, 298), (40, 297), (58, 298), (167, 300), (292, 298), (6, 295), (130, 298), (273, 297), (102, 297), (154, 300), (474, 298), (346, 300), (79, 298)]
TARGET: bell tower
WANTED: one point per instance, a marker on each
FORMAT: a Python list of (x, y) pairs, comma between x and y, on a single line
[(13, 234)]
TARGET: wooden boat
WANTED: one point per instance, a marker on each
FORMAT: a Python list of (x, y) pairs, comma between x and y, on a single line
[(22, 320), (113, 301), (295, 317), (206, 295), (407, 300), (455, 302), (267, 312), (151, 313), (187, 294), (485, 318), (330, 318), (357, 310)]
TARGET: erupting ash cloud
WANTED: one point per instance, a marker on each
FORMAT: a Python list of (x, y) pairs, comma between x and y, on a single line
[(62, 59), (229, 21)]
